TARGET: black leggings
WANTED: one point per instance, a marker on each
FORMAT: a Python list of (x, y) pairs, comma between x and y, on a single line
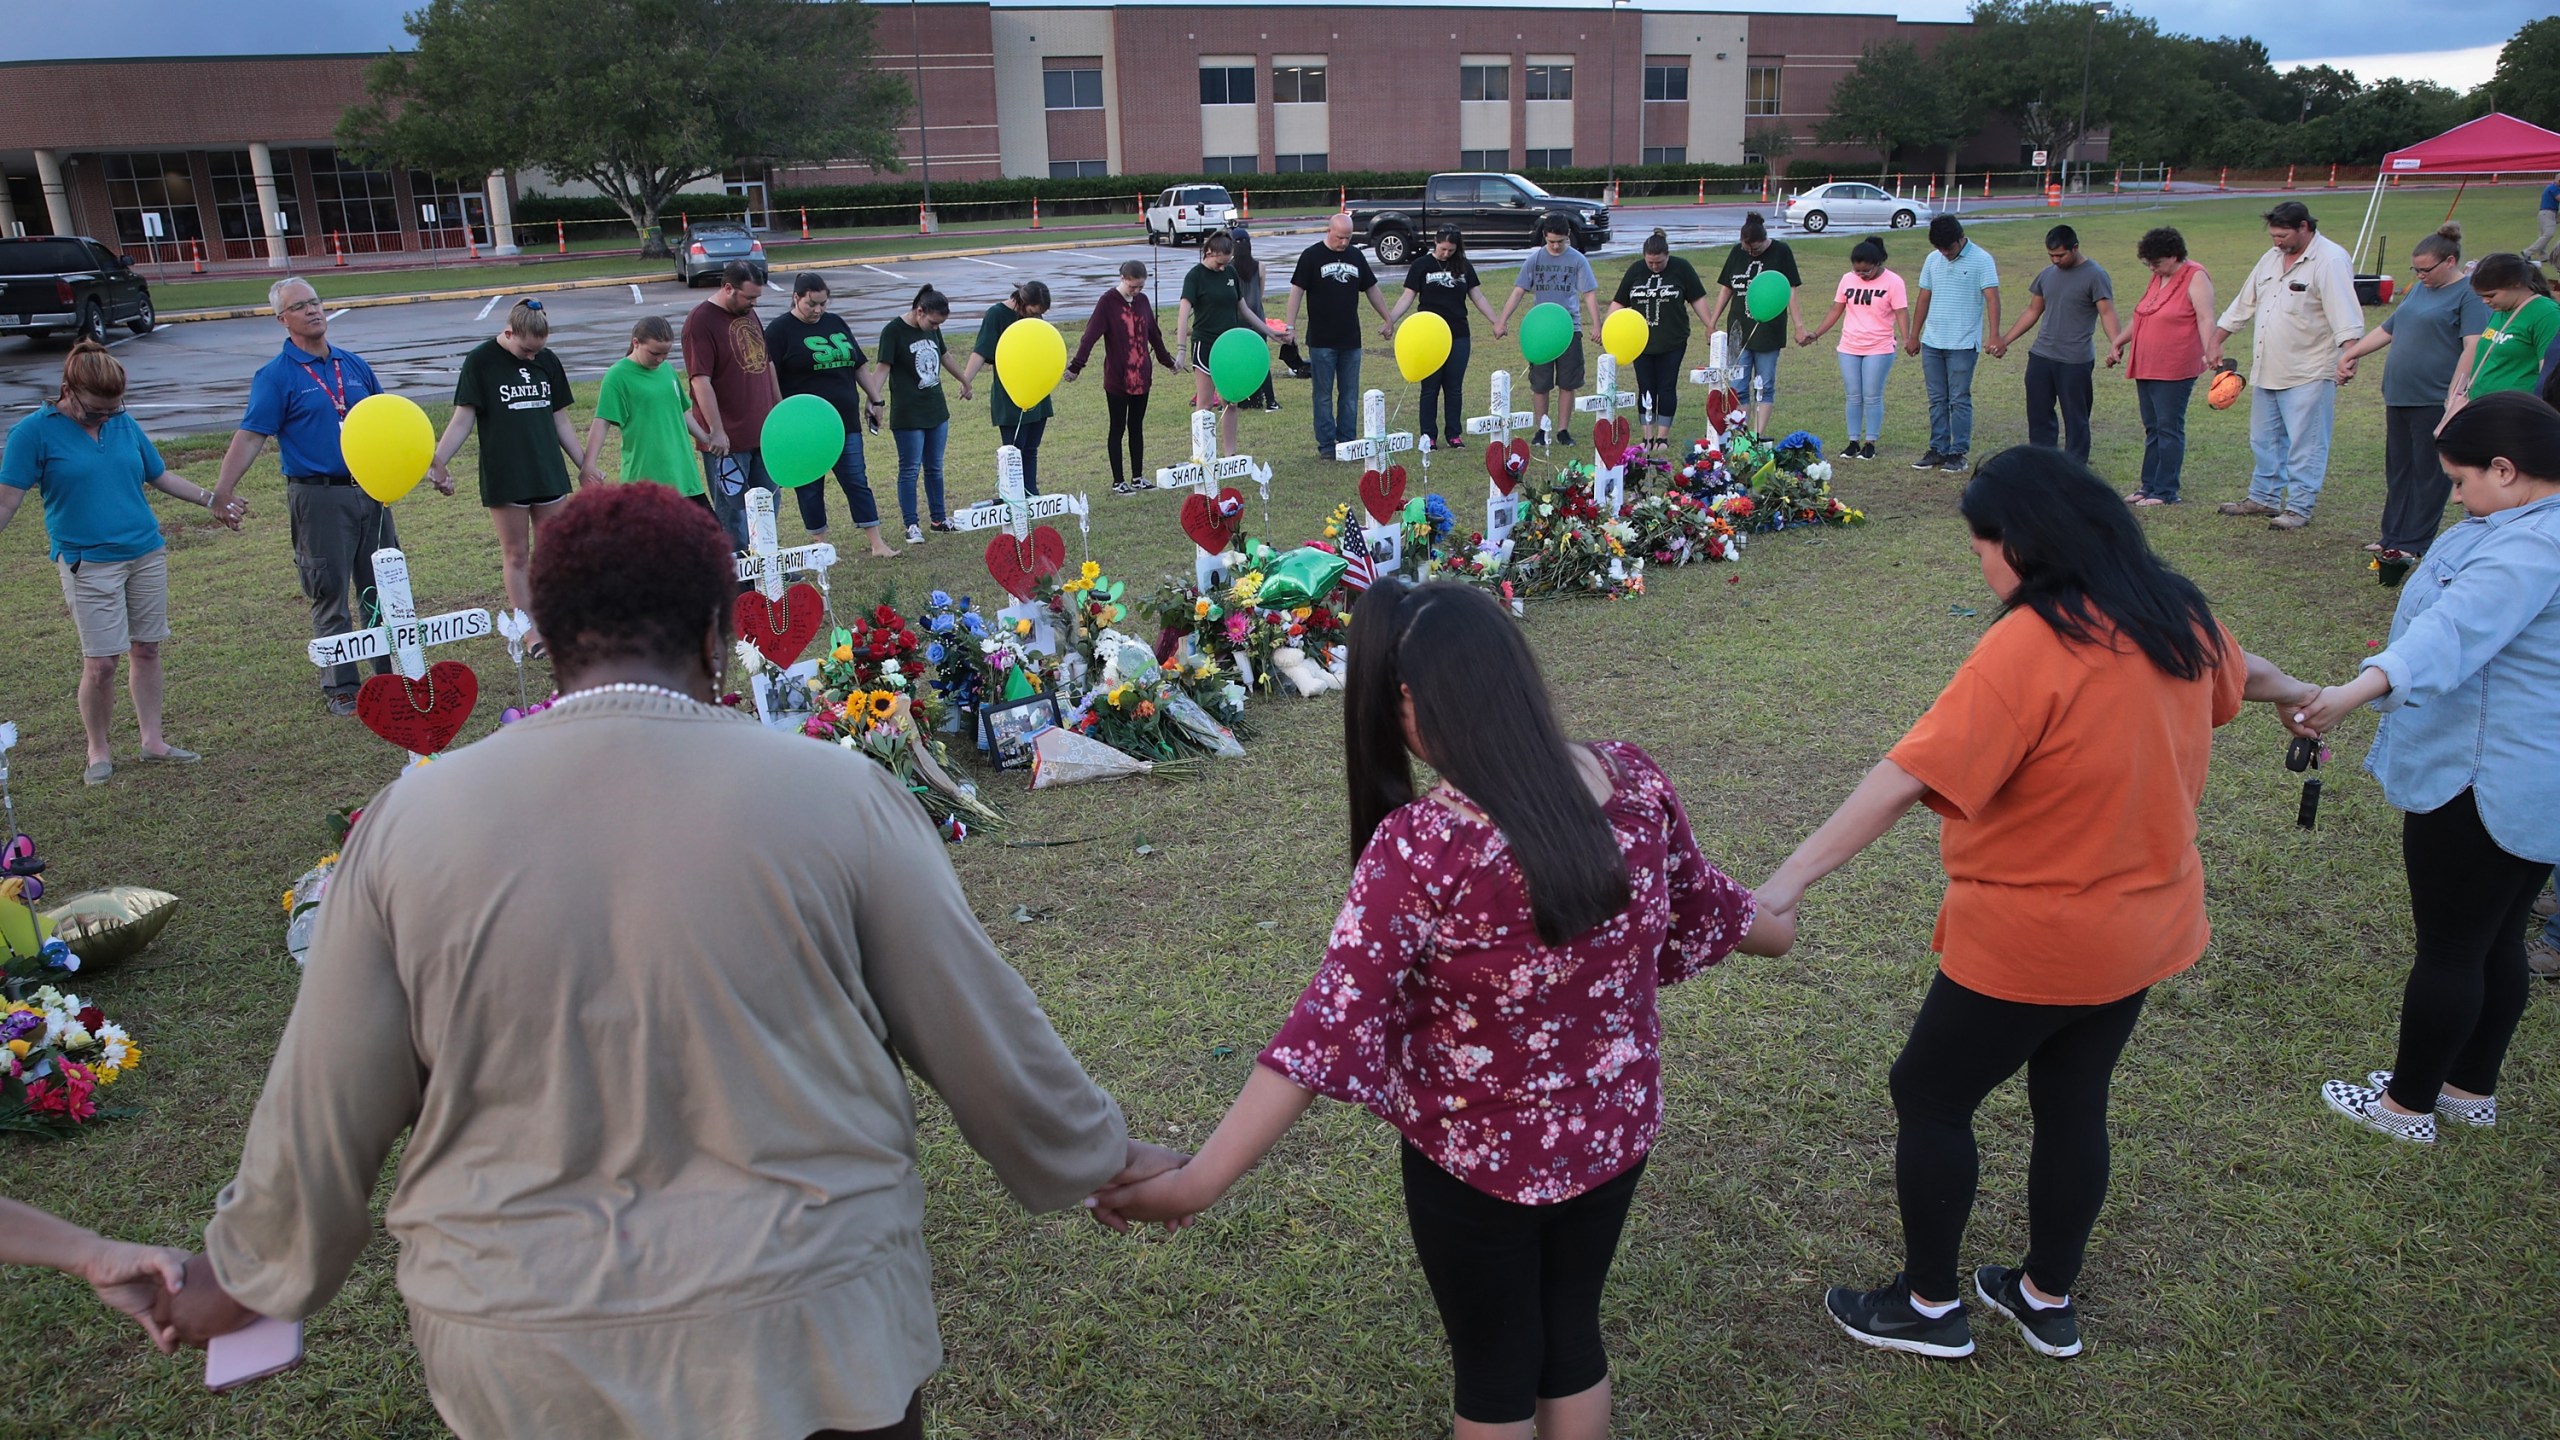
[(2471, 901), (1128, 413), (1962, 1046), (909, 1427), (1518, 1286), (1658, 376)]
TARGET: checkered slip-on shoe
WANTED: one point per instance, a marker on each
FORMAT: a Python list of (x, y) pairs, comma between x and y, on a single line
[(2364, 1106), (2482, 1112)]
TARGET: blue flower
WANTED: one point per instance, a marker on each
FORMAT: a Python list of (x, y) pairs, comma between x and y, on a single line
[(977, 624), (1802, 440), (1436, 510), (939, 600), (941, 624), (967, 604), (933, 653)]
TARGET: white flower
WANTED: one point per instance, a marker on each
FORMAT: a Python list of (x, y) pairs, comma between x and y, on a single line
[(111, 1054), (749, 657), (77, 1037), (888, 667)]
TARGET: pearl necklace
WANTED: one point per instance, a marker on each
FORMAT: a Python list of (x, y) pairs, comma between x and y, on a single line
[(627, 687)]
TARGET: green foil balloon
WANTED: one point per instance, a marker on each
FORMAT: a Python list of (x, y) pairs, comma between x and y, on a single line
[(1238, 364), (1545, 332), (1765, 298), (1302, 577), (803, 438)]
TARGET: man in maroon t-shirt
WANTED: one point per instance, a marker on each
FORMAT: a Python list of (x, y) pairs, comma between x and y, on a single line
[(734, 389)]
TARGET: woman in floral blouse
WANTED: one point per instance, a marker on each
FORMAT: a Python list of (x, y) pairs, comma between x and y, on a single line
[(1489, 991)]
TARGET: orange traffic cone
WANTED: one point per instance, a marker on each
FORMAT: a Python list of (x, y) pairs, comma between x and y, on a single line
[(804, 221), (2288, 177), (1035, 212), (471, 239), (2333, 175), (560, 228), (2225, 182), (337, 249), (199, 256)]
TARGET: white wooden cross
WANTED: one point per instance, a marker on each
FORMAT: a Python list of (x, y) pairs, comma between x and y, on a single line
[(1375, 445), (1012, 511), (1716, 373), (401, 635), (1207, 470), (1501, 511), (1608, 472), (764, 562)]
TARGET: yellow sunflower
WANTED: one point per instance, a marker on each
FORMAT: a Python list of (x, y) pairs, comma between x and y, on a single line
[(884, 703)]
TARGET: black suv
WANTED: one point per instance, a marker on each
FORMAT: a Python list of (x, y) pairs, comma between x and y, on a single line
[(70, 284), (1491, 211)]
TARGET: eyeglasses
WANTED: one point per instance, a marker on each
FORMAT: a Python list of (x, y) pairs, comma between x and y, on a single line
[(2430, 270), (83, 402)]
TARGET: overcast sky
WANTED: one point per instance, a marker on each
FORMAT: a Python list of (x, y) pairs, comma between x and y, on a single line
[(2454, 42)]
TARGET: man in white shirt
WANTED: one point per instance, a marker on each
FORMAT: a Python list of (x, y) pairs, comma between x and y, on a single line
[(2302, 296)]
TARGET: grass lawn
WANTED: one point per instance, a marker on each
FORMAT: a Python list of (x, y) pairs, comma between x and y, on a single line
[(2261, 1269)]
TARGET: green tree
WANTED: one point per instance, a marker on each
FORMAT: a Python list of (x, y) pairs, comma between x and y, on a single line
[(1896, 98), (2039, 58), (638, 98), (2527, 82)]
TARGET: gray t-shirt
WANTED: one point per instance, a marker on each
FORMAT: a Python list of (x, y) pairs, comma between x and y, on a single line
[(1563, 279), (2070, 310), (2427, 331)]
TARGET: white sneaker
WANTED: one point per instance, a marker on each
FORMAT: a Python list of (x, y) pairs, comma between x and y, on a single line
[(2482, 1112), (2364, 1106), (915, 534)]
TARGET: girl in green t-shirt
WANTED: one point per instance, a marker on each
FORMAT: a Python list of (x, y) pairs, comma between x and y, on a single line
[(919, 417), (1212, 305), (2523, 320)]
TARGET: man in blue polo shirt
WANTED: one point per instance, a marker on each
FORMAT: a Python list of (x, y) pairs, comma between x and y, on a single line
[(300, 398), (1955, 320)]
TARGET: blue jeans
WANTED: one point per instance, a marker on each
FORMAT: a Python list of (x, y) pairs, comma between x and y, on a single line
[(1444, 385), (728, 478), (920, 450), (2164, 433), (1337, 404), (1863, 377), (1755, 375), (857, 489), (1025, 437), (2289, 444), (1948, 376)]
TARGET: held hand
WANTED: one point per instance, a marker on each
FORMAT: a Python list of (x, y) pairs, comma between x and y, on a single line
[(2346, 368), (1145, 1162), (1910, 347), (965, 392), (588, 475), (718, 444), (201, 1310), (1167, 1199), (2115, 356), (231, 511), (135, 1279), (1803, 339), (1074, 375), (2321, 713), (441, 478)]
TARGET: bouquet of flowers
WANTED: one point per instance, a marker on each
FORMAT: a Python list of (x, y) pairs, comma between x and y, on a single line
[(56, 1052), (1564, 545), (954, 630), (1786, 480), (1674, 527), (1141, 708)]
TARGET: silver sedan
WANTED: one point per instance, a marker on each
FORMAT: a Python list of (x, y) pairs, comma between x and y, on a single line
[(1854, 202)]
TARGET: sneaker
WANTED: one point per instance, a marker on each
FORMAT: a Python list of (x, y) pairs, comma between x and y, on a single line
[(915, 534), (1867, 450), (2482, 1112), (1953, 464), (2363, 1105), (1928, 460), (1119, 487), (1883, 1317), (2542, 958), (1142, 483), (1270, 407), (2245, 507), (945, 526), (2053, 1332), (2289, 520), (1564, 437), (172, 756)]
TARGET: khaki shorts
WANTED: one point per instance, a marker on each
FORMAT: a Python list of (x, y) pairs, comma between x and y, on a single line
[(1562, 373), (117, 603)]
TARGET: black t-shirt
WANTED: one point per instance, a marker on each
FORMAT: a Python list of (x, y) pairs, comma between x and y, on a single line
[(820, 359), (1741, 267), (1441, 287), (1663, 300), (1333, 280)]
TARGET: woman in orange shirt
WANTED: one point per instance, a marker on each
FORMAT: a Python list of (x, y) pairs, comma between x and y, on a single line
[(2066, 759)]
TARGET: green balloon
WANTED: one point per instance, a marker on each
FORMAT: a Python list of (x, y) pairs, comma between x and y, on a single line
[(1302, 577), (1238, 364), (803, 438), (1545, 332), (1417, 511), (1766, 296)]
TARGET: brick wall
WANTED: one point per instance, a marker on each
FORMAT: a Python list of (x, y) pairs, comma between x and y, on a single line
[(955, 47), (177, 104)]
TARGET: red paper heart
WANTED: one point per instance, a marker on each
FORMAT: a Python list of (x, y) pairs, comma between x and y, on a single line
[(421, 716), (1719, 408), (1610, 437), (1382, 495), (1506, 464), (783, 629), (1212, 524), (1020, 565)]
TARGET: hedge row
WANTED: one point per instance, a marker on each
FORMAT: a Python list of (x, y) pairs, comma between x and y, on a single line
[(1116, 194)]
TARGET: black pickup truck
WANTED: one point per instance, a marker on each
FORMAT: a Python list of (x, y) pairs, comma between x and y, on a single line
[(1492, 211), (69, 284)]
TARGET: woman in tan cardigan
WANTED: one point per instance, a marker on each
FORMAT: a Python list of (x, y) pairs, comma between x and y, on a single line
[(637, 976)]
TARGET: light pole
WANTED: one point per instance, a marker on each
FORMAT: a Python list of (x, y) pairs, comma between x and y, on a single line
[(1614, 67), (2087, 45), (924, 139)]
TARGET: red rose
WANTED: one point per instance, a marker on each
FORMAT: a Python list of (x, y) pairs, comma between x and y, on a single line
[(91, 1017)]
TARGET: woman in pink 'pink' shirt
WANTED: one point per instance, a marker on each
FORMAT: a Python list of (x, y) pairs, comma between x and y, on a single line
[(1871, 307)]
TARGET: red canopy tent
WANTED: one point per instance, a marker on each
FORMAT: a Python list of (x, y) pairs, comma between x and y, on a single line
[(2493, 144)]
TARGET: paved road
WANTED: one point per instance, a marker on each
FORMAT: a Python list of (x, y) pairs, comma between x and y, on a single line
[(194, 378)]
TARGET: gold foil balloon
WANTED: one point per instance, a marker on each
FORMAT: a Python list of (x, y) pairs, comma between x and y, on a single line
[(107, 927)]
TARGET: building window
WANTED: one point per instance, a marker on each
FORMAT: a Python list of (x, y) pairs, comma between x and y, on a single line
[(1484, 159), (1229, 164), (1760, 90), (1550, 82), (356, 204), (1545, 159), (1226, 84), (158, 185), (1077, 169), (1311, 163), (1666, 82), (1297, 84), (1666, 154), (1484, 82), (1073, 89), (235, 203), (461, 206)]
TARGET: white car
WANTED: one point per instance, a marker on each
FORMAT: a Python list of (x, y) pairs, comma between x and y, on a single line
[(1854, 202), (1187, 213)]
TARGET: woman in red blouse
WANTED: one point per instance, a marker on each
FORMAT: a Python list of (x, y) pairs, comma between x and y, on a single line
[(1489, 991), (1126, 325)]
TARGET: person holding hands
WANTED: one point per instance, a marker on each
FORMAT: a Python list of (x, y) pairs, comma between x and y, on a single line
[(649, 404), (1556, 274), (1955, 320), (814, 352), (2167, 352), (1331, 280), (1875, 307), (2435, 334), (126, 1277), (515, 392), (1124, 322), (1757, 344), (2074, 298), (1665, 290), (1443, 281), (1212, 305)]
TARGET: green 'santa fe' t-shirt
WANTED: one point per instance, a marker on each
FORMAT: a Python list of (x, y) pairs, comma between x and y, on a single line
[(1000, 406), (647, 402), (2511, 349), (821, 359), (914, 358), (1215, 297), (521, 462), (1663, 300)]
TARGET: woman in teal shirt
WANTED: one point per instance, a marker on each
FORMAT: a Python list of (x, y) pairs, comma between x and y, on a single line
[(88, 459)]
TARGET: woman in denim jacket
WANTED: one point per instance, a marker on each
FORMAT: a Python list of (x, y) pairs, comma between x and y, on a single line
[(2467, 689)]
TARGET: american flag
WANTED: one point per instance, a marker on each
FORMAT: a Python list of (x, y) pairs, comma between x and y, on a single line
[(1359, 571)]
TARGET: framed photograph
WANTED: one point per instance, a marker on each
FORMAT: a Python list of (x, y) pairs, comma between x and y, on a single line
[(786, 705), (1005, 730)]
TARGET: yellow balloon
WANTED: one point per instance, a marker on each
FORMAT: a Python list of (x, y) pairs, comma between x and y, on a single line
[(1030, 357), (387, 443), (1623, 336), (1422, 345)]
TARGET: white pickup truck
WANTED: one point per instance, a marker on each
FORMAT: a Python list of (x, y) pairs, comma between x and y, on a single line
[(1187, 213)]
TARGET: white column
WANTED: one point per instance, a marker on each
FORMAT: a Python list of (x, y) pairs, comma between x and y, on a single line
[(57, 200), (262, 166), (502, 216), (8, 211)]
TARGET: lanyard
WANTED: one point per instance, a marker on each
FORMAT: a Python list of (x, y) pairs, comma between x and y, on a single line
[(337, 397)]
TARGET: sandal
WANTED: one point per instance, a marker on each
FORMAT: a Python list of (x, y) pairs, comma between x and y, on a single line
[(2143, 502)]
